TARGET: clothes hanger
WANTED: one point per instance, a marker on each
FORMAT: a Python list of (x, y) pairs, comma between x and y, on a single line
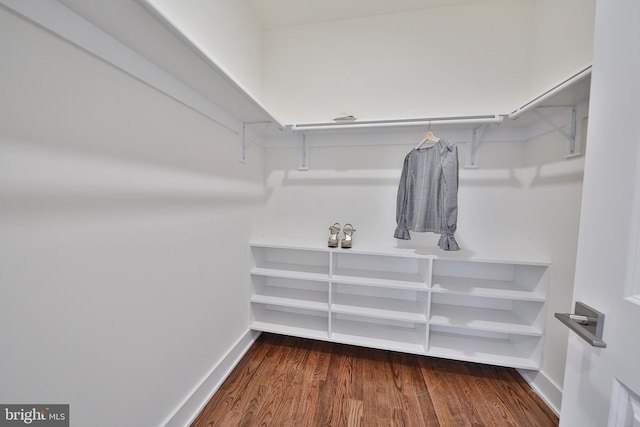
[(428, 136)]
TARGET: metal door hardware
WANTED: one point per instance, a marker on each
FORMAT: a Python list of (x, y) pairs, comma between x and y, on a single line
[(583, 320), (587, 322)]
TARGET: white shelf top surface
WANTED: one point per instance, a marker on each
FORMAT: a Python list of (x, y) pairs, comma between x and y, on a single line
[(300, 298), (484, 288), (487, 255), (382, 308), (481, 319), (482, 350)]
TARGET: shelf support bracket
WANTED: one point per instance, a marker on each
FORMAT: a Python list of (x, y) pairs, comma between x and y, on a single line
[(477, 137), (243, 139), (242, 144), (572, 135), (303, 152)]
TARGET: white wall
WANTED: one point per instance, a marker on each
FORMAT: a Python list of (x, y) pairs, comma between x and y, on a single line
[(124, 221), (552, 194), (227, 31), (455, 60), (562, 41), (359, 184)]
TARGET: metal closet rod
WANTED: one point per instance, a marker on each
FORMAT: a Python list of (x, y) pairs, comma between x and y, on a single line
[(551, 92), (456, 120)]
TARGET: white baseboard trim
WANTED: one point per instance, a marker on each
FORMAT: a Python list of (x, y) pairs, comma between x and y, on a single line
[(191, 406), (546, 388)]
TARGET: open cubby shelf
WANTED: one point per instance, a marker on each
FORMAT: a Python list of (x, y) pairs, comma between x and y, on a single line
[(490, 311)]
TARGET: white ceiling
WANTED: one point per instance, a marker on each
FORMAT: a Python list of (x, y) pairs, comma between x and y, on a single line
[(288, 13)]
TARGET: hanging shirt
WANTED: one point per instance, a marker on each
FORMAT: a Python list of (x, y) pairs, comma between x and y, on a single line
[(428, 194)]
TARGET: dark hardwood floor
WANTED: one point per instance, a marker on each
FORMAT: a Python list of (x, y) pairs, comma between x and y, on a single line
[(285, 381)]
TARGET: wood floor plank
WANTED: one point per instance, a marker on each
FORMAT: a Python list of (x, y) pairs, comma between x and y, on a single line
[(280, 380), (354, 418), (257, 389), (379, 410), (233, 394), (265, 386), (286, 410), (341, 384), (316, 373), (526, 407), (284, 381), (490, 380), (296, 404), (492, 410), (412, 389), (447, 406)]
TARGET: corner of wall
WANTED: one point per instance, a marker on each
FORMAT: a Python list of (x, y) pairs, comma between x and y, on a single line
[(568, 51), (195, 401), (545, 387)]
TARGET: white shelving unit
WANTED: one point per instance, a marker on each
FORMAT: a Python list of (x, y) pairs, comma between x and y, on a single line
[(489, 311)]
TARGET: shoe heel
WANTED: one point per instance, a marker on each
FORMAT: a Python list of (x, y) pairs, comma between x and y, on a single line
[(334, 230), (348, 230)]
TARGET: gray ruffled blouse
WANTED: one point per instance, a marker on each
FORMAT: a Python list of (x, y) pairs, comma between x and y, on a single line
[(428, 194)]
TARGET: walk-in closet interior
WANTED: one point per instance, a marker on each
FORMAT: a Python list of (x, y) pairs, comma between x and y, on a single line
[(169, 171)]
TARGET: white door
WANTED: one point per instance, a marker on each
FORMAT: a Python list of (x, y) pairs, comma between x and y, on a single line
[(602, 385)]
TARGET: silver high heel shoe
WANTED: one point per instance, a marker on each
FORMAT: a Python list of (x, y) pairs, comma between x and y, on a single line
[(348, 236), (333, 237)]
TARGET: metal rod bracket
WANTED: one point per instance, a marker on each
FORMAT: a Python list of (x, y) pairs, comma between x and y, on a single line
[(303, 152), (573, 131), (477, 137), (243, 139)]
